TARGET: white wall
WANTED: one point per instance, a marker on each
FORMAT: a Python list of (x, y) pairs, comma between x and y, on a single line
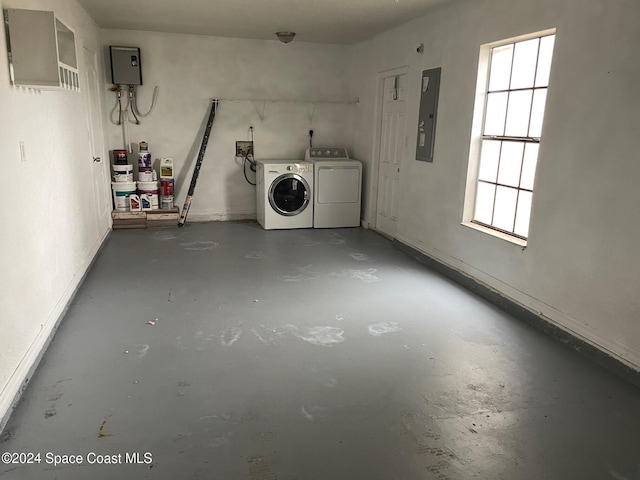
[(50, 231), (190, 70), (581, 267)]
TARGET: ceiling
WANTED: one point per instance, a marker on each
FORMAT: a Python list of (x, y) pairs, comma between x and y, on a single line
[(319, 21)]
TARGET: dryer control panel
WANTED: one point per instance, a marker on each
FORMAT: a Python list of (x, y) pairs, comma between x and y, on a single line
[(326, 153)]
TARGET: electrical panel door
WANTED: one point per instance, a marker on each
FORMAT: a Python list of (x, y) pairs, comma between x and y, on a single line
[(429, 90)]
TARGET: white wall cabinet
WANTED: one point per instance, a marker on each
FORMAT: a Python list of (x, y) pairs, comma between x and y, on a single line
[(42, 50)]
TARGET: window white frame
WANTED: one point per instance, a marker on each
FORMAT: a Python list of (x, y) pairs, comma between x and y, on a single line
[(520, 140)]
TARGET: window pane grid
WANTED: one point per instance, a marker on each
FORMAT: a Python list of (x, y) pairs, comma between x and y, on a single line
[(502, 186), (511, 139), (507, 186), (535, 73), (514, 107), (516, 89), (515, 214)]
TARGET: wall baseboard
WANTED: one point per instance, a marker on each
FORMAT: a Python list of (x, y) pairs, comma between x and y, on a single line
[(220, 217), (603, 358), (17, 384)]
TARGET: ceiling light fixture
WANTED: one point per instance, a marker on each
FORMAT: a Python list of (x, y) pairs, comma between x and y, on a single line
[(285, 37)]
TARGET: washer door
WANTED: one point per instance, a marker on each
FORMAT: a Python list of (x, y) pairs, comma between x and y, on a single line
[(289, 194)]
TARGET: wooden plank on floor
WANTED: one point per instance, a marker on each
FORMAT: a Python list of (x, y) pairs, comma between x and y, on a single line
[(145, 219)]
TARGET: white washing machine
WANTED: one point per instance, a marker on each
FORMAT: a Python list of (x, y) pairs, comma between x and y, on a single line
[(337, 187), (284, 191)]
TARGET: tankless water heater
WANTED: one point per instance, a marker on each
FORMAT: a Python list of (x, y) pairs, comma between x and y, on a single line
[(125, 66)]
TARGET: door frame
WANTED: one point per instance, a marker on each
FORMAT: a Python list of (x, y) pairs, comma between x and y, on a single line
[(98, 131), (377, 119)]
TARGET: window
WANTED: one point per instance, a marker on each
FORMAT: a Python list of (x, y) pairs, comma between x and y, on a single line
[(514, 102)]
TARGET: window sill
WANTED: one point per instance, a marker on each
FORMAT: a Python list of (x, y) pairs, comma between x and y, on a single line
[(503, 236)]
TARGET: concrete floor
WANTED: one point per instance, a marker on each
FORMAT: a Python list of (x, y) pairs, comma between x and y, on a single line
[(307, 354)]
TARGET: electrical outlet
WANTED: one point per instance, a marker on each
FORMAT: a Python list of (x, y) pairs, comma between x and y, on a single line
[(244, 149)]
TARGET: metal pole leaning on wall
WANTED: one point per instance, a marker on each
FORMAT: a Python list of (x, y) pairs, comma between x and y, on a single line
[(196, 170)]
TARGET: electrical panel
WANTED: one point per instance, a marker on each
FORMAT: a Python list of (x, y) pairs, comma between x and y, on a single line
[(429, 90), (125, 66), (41, 50)]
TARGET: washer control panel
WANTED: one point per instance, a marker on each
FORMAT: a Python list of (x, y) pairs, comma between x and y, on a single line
[(327, 153), (299, 167)]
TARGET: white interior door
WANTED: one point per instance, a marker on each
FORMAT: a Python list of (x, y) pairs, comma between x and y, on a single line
[(392, 147), (99, 160)]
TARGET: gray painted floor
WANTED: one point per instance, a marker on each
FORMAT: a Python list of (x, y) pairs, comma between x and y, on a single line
[(308, 354)]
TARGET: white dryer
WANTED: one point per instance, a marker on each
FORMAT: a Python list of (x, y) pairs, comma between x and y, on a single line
[(337, 188), (284, 191)]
